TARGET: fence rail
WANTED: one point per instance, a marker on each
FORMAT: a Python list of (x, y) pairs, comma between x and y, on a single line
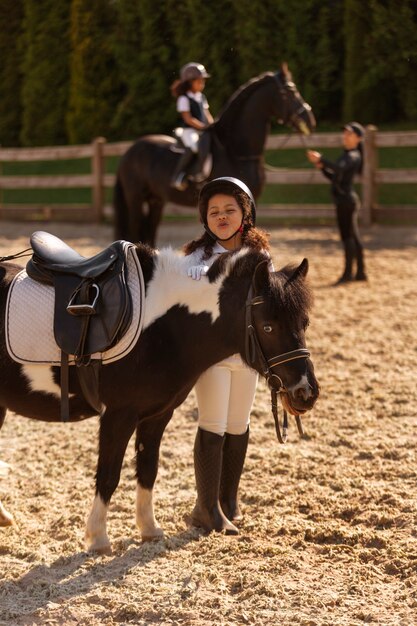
[(98, 180)]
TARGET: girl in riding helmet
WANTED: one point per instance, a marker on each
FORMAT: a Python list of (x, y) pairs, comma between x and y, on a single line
[(225, 392), (195, 116)]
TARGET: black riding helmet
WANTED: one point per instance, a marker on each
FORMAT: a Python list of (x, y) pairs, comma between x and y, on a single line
[(226, 185)]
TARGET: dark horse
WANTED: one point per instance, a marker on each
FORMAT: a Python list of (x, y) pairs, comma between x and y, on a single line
[(188, 326), (238, 140)]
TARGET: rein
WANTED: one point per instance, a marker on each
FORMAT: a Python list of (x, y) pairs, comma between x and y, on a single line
[(253, 351), (18, 255)]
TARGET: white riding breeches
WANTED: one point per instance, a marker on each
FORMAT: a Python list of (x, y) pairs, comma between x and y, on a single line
[(225, 394), (189, 137)]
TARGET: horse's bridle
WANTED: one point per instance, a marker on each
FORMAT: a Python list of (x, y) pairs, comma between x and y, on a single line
[(253, 352), (292, 117)]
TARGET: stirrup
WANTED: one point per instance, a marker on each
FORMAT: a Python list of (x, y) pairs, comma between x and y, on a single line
[(180, 183)]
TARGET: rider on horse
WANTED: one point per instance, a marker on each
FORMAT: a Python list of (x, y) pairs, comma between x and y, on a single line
[(193, 108)]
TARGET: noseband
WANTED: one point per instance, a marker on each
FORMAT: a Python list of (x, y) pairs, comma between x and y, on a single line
[(253, 352)]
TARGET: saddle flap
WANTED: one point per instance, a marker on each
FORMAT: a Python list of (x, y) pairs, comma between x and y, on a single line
[(85, 334)]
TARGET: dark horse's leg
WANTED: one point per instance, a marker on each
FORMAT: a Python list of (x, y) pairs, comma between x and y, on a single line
[(151, 220), (115, 432), (5, 518), (148, 439)]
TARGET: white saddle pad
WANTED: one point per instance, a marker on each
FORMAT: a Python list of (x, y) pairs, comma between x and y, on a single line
[(29, 322)]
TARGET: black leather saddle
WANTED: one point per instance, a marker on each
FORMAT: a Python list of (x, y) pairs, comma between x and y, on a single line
[(93, 306)]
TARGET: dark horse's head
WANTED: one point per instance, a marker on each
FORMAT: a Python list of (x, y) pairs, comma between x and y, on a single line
[(275, 318), (292, 110)]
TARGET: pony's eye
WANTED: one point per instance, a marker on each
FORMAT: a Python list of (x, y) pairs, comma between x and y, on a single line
[(268, 329)]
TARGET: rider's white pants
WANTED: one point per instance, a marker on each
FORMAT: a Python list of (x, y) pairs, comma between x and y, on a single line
[(189, 137), (225, 394)]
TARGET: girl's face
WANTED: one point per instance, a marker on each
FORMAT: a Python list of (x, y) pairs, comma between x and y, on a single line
[(224, 216), (197, 84), (350, 139)]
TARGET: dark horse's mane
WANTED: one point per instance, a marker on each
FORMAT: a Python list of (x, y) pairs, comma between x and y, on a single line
[(232, 107)]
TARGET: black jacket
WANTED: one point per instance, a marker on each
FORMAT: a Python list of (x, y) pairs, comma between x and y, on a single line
[(342, 172)]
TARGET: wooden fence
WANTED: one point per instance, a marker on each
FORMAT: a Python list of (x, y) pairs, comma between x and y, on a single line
[(98, 180)]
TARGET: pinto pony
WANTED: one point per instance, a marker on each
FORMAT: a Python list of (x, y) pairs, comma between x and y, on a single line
[(188, 326)]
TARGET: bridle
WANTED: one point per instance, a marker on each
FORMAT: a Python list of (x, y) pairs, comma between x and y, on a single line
[(291, 117), (254, 352)]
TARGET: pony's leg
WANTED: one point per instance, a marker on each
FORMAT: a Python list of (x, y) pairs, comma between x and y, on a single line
[(115, 432), (5, 518), (148, 440)]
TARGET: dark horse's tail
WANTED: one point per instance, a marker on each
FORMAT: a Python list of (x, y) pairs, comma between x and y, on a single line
[(121, 211)]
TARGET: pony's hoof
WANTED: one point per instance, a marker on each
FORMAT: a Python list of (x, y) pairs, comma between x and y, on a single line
[(154, 535), (104, 550), (6, 519)]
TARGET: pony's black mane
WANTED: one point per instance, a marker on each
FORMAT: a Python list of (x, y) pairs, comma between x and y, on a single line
[(243, 263), (292, 298), (233, 106)]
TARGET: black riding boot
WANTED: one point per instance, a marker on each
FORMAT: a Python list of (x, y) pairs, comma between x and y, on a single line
[(234, 452), (179, 178), (203, 152), (349, 246), (360, 273), (207, 513)]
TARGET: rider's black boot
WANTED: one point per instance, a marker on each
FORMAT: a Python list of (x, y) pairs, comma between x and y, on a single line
[(234, 452), (349, 246), (179, 177), (207, 513)]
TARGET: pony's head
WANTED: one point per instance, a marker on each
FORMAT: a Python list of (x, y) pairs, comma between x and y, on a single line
[(275, 319)]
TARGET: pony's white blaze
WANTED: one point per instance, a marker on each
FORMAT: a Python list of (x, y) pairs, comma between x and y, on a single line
[(302, 384), (170, 286), (145, 518), (40, 379), (96, 536)]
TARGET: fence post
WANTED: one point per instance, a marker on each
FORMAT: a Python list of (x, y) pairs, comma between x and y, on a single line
[(370, 164), (97, 170)]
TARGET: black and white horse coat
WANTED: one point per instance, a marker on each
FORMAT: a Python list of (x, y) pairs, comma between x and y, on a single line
[(188, 326)]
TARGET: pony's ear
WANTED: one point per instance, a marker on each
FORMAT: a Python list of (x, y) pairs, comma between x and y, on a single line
[(260, 276), (299, 272)]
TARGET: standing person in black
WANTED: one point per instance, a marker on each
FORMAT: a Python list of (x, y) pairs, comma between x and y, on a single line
[(341, 174)]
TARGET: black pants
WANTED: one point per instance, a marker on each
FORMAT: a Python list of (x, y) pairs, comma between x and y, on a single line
[(347, 219)]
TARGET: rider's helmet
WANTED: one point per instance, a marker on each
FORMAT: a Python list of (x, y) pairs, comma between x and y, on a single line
[(356, 128), (229, 186), (192, 70)]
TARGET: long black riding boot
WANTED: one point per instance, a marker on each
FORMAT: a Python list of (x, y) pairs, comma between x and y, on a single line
[(350, 249), (234, 452), (178, 179), (360, 273), (203, 152), (207, 513)]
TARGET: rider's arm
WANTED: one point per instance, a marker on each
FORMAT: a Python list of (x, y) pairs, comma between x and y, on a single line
[(192, 121)]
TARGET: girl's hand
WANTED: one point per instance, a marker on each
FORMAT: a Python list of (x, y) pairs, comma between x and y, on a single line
[(197, 271), (313, 156)]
